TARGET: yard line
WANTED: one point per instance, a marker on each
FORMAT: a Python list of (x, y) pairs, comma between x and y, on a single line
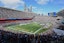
[(38, 30), (22, 31), (27, 32)]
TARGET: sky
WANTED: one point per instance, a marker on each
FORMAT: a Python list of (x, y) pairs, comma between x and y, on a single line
[(38, 6)]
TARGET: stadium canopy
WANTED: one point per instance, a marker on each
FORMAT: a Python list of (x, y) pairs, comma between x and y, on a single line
[(58, 32), (61, 13)]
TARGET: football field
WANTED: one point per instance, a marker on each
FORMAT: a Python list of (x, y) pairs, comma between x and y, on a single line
[(31, 28)]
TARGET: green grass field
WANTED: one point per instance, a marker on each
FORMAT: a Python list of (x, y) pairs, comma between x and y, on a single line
[(31, 28)]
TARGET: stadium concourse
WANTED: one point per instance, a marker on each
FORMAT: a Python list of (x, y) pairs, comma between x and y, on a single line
[(10, 36)]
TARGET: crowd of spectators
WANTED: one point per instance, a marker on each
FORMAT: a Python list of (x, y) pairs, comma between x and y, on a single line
[(6, 13), (9, 37)]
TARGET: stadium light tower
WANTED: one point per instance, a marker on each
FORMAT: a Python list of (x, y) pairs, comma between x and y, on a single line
[(25, 7), (30, 8)]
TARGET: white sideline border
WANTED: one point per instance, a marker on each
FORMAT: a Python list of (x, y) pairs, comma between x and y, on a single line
[(28, 32)]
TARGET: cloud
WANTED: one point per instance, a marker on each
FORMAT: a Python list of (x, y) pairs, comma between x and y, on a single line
[(37, 10), (12, 3), (43, 1), (34, 7)]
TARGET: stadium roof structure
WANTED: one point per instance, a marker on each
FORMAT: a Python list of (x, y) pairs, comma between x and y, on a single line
[(58, 32)]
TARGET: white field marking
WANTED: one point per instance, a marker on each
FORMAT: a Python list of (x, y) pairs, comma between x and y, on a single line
[(26, 32), (47, 25), (24, 24), (21, 31), (38, 30), (11, 28), (29, 32)]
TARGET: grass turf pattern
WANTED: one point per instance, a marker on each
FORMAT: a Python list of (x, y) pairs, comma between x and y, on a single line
[(27, 28)]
